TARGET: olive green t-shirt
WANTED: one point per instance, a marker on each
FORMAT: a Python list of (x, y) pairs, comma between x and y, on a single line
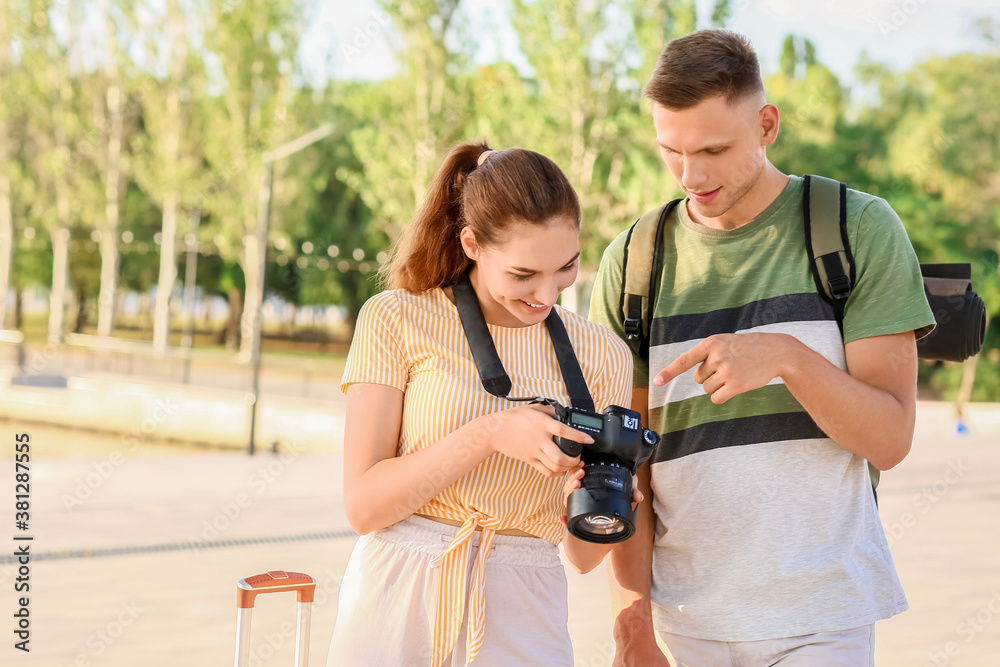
[(765, 527)]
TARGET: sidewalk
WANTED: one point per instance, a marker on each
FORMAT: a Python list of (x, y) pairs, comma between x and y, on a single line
[(136, 558)]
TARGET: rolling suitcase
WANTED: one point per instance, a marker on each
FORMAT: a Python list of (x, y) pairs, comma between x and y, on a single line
[(275, 581)]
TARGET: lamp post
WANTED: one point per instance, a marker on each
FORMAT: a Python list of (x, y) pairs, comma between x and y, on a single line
[(263, 214)]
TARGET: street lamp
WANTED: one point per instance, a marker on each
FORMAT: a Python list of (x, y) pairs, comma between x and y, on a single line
[(263, 213)]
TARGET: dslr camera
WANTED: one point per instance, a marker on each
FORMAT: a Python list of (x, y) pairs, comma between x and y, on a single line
[(601, 509)]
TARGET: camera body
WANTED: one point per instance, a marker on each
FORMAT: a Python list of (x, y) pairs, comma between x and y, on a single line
[(601, 509)]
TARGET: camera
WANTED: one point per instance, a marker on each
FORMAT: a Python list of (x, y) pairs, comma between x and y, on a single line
[(601, 509)]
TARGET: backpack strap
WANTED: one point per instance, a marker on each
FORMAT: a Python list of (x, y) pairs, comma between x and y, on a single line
[(824, 206), (641, 271), (829, 251)]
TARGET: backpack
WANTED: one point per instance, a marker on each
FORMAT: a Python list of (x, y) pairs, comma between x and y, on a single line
[(959, 312)]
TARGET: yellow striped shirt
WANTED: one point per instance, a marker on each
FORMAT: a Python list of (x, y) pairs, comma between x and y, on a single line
[(415, 342)]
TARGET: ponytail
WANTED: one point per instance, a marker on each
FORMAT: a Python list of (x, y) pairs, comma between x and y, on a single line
[(429, 254)]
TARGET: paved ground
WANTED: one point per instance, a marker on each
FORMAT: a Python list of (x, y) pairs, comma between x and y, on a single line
[(131, 565)]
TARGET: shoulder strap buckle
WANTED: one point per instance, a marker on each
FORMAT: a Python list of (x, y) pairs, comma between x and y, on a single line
[(641, 266), (633, 327), (840, 287)]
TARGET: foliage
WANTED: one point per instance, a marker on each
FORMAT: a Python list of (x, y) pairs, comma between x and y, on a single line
[(926, 139)]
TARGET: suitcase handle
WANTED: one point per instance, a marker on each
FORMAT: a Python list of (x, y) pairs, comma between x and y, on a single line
[(275, 581)]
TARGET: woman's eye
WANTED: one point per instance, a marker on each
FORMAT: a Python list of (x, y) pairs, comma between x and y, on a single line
[(520, 277)]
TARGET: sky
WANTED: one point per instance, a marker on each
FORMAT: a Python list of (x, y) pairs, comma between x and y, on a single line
[(352, 38)]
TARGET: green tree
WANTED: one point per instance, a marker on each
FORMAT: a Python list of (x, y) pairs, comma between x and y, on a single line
[(584, 109), (169, 160), (254, 44)]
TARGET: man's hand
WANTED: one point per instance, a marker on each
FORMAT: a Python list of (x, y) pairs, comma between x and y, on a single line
[(646, 654), (731, 363)]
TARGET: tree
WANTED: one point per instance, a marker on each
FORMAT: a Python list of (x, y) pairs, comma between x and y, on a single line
[(111, 118), (254, 45), (169, 159), (54, 92), (317, 233), (944, 140), (585, 111), (404, 124)]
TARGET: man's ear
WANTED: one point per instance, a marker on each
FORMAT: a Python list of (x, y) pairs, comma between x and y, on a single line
[(769, 120), (469, 245)]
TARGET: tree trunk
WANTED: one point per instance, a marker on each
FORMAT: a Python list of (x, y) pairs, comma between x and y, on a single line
[(18, 306), (168, 260), (168, 272), (190, 278), (231, 333), (81, 311), (60, 234), (109, 239), (252, 299)]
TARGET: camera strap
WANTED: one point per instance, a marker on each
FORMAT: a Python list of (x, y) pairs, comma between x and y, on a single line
[(484, 351)]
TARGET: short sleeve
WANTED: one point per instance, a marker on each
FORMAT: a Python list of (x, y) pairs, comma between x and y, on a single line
[(888, 296), (614, 386), (377, 354), (605, 306)]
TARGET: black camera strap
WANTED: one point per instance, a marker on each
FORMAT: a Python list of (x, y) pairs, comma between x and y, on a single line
[(484, 350)]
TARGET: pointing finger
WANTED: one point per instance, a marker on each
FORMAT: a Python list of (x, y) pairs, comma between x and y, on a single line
[(684, 362)]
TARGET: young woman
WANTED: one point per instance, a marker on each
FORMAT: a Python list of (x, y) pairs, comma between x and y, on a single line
[(459, 494)]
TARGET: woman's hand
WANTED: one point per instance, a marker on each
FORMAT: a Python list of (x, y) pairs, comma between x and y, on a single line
[(526, 433), (584, 556), (574, 481)]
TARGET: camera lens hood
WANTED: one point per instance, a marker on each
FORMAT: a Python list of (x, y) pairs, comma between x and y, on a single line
[(603, 521)]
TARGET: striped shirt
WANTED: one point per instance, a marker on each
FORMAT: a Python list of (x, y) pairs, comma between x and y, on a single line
[(765, 527), (415, 343)]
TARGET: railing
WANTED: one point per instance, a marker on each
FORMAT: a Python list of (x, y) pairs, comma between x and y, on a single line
[(88, 355)]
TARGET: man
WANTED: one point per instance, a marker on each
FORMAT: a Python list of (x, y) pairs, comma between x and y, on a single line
[(762, 541)]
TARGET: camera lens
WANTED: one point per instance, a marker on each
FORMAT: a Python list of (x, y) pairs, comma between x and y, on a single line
[(601, 524), (601, 510)]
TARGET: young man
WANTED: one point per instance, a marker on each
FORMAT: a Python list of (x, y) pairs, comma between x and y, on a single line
[(762, 542)]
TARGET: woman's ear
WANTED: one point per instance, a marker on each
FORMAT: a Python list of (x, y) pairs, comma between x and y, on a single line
[(469, 245)]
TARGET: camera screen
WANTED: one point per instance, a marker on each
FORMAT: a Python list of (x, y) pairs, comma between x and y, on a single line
[(586, 420)]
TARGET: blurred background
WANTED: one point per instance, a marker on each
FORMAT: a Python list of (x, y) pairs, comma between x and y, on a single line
[(195, 199)]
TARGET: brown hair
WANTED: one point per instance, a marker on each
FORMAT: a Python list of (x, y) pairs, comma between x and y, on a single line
[(704, 64), (512, 185)]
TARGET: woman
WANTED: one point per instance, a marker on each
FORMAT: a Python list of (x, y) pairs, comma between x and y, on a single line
[(459, 494)]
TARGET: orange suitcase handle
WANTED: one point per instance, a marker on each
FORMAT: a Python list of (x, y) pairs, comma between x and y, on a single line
[(275, 581)]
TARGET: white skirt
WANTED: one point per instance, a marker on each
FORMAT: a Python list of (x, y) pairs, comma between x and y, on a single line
[(389, 593)]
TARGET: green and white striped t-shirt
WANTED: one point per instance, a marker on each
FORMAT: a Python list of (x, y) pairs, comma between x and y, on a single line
[(765, 527)]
